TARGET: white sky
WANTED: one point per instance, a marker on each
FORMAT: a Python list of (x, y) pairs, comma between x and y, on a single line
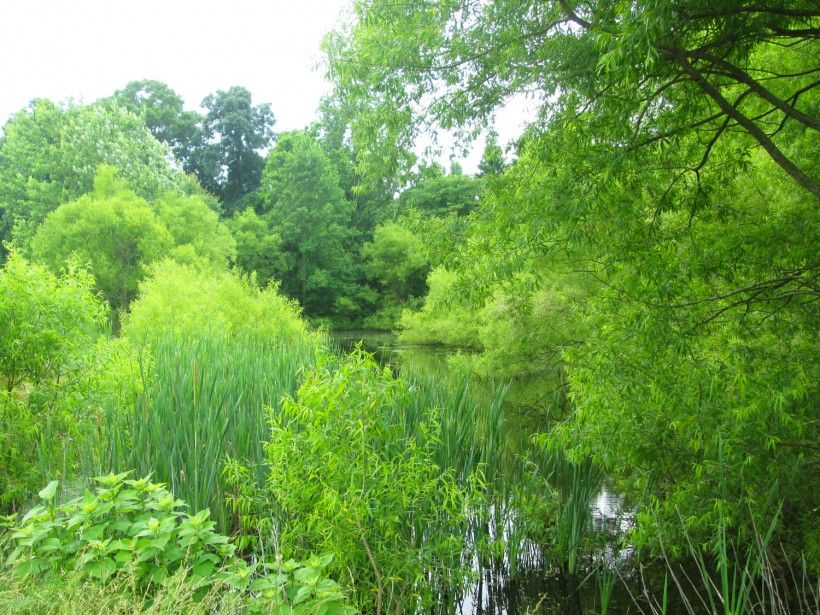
[(87, 49)]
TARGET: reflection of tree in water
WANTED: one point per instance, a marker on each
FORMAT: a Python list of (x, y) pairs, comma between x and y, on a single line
[(513, 573)]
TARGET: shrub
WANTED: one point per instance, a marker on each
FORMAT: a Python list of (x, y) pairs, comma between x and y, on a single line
[(348, 477), (135, 529), (48, 324), (184, 301)]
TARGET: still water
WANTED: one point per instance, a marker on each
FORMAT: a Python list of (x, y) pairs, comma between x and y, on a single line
[(528, 584)]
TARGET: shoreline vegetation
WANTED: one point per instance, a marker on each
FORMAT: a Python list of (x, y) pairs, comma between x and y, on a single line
[(595, 387)]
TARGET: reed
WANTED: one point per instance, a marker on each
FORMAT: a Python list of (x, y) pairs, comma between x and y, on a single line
[(472, 422), (204, 399)]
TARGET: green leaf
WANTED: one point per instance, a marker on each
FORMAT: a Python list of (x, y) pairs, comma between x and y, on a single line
[(269, 582), (205, 569), (302, 594), (49, 491), (307, 575), (51, 544), (102, 568)]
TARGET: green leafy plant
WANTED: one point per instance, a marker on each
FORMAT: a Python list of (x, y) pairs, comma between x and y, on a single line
[(122, 523), (348, 476), (49, 326), (136, 529)]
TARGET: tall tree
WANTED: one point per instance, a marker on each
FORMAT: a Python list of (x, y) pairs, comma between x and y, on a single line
[(675, 76), (229, 163), (373, 204), (164, 115), (112, 230), (307, 208), (492, 160), (50, 155)]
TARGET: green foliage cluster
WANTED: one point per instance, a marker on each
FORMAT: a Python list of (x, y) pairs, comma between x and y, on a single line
[(136, 529), (440, 320), (430, 224), (46, 369), (120, 234), (258, 246), (220, 148), (652, 252), (397, 259), (179, 299), (305, 205), (50, 156), (646, 267), (345, 476)]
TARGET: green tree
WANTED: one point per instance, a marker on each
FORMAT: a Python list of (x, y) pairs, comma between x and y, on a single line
[(49, 156), (441, 195), (492, 160), (196, 231), (397, 260), (120, 234), (113, 230), (675, 76), (228, 162), (258, 247), (373, 205), (306, 207), (164, 115)]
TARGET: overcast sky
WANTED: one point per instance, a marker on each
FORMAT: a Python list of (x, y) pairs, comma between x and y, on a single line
[(87, 49)]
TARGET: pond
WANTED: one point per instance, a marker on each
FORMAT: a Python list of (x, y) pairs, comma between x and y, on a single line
[(530, 583)]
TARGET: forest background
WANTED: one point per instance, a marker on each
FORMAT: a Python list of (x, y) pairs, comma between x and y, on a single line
[(641, 263)]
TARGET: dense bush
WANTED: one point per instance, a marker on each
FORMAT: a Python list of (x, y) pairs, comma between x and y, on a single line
[(136, 530), (186, 301), (347, 477), (49, 325)]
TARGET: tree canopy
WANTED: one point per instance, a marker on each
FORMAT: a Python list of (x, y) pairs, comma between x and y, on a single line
[(50, 155), (305, 205), (676, 77), (164, 115), (651, 252), (228, 162), (119, 234)]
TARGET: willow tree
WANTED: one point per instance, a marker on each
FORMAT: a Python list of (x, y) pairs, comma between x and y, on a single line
[(49, 155), (647, 74), (671, 176)]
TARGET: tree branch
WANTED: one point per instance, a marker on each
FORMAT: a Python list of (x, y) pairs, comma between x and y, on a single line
[(765, 142), (741, 76)]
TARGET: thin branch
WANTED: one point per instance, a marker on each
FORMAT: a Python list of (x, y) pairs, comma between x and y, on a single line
[(774, 152), (733, 71)]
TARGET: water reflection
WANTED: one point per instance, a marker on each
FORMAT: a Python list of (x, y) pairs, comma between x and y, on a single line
[(521, 578)]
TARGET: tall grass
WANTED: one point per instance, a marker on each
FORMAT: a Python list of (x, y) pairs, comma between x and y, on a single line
[(730, 577), (203, 401), (472, 422)]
